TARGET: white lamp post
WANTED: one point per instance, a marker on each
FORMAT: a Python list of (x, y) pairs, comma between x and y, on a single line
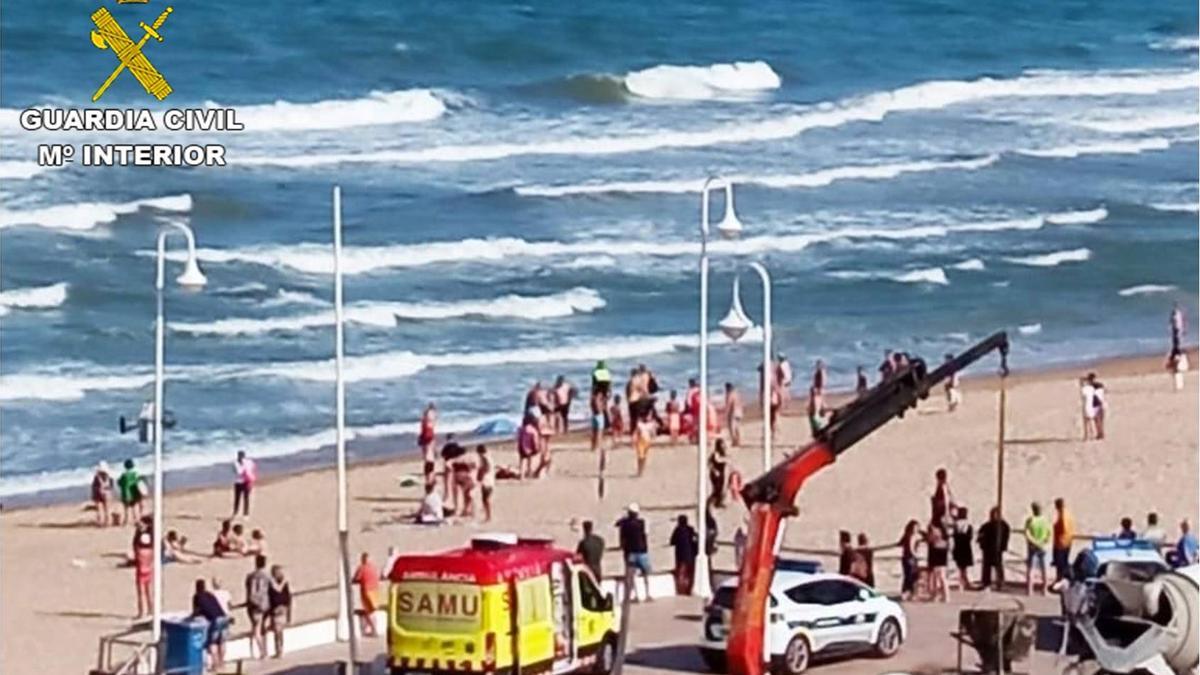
[(734, 326), (729, 228), (192, 278)]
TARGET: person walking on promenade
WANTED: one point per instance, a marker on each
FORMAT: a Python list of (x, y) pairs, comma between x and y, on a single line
[(245, 476), (993, 544), (686, 543), (591, 549), (206, 605), (634, 547), (280, 602), (909, 540), (1038, 533), (1064, 536), (258, 603)]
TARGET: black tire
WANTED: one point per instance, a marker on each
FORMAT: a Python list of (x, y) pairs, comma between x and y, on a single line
[(714, 659), (606, 657), (796, 657), (888, 639)]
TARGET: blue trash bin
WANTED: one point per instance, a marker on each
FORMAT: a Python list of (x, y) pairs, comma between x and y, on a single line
[(184, 646)]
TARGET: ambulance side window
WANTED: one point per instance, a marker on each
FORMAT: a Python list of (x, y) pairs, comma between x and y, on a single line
[(590, 596)]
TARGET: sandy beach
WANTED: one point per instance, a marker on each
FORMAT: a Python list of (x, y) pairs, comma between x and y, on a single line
[(63, 586)]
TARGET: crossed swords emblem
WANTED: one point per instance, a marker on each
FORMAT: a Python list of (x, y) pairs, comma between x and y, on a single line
[(110, 35)]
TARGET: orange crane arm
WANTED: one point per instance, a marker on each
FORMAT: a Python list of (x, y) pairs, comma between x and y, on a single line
[(772, 496)]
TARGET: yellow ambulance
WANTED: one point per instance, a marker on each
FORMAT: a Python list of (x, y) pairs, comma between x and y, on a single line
[(500, 605)]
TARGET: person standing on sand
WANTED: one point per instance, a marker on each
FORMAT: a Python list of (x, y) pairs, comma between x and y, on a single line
[(1087, 401), (863, 567), (280, 602), (909, 540), (938, 549), (634, 547), (563, 394), (993, 544), (888, 367), (686, 543), (1178, 327), (598, 407), (962, 542), (258, 603), (245, 476), (616, 418), (528, 445), (366, 577), (1064, 536), (783, 377), (717, 464), (102, 487), (819, 376), (1038, 534), (129, 484), (451, 452), (591, 549), (941, 502), (143, 566), (425, 439), (845, 553), (674, 417), (487, 480), (953, 388), (1177, 365), (1100, 403), (861, 385), (733, 414), (601, 379), (643, 438)]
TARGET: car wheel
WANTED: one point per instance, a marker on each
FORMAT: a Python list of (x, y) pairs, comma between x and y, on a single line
[(606, 657), (796, 656), (887, 642), (714, 659)]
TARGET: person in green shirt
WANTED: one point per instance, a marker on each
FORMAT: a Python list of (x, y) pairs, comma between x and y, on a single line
[(129, 485), (1038, 533)]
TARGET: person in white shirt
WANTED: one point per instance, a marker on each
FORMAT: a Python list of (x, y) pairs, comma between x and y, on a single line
[(245, 476), (432, 511), (1177, 365), (1087, 399), (1153, 532)]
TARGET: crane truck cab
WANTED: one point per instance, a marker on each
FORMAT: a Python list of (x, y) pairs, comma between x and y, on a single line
[(498, 605)]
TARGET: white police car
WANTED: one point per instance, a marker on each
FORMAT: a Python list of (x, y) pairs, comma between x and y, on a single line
[(810, 615)]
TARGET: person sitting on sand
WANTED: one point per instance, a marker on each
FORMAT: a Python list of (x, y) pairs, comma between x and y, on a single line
[(175, 550), (222, 546), (432, 511), (237, 540), (257, 544)]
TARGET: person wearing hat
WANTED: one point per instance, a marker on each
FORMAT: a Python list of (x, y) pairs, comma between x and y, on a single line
[(634, 548), (102, 487)]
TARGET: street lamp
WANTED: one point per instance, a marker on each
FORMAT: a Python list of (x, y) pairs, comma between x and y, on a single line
[(191, 279), (729, 227), (734, 326)]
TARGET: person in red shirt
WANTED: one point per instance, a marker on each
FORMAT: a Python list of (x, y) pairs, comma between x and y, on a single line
[(366, 577)]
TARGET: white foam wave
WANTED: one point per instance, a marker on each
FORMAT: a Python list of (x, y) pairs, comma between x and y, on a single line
[(820, 178), (14, 170), (971, 265), (1183, 43), (1145, 289), (1152, 121), (379, 107), (313, 258), (65, 387), (35, 297), (931, 275), (88, 215), (698, 83), (286, 298), (589, 262), (1029, 329), (1100, 148), (932, 95), (1053, 259), (1177, 207), (386, 314), (1078, 217)]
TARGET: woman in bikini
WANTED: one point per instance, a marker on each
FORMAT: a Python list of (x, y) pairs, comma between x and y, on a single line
[(425, 440)]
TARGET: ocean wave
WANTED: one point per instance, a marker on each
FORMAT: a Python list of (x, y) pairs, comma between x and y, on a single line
[(820, 178), (1100, 148), (285, 298), (1029, 329), (1177, 207), (15, 170), (34, 297), (66, 386), (311, 258), (931, 275), (1145, 289), (88, 215), (1077, 217), (386, 314), (1181, 43), (930, 95), (377, 108), (971, 265), (1052, 259), (699, 83), (591, 262), (1152, 121)]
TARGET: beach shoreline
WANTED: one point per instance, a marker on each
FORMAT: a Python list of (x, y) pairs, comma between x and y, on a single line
[(375, 451)]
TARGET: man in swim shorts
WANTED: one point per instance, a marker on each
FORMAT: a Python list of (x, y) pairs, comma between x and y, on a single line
[(733, 414)]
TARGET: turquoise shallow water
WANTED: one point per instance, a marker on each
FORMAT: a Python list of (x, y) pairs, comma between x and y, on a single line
[(519, 184)]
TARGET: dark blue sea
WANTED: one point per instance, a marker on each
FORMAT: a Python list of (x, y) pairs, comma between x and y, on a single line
[(521, 198)]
